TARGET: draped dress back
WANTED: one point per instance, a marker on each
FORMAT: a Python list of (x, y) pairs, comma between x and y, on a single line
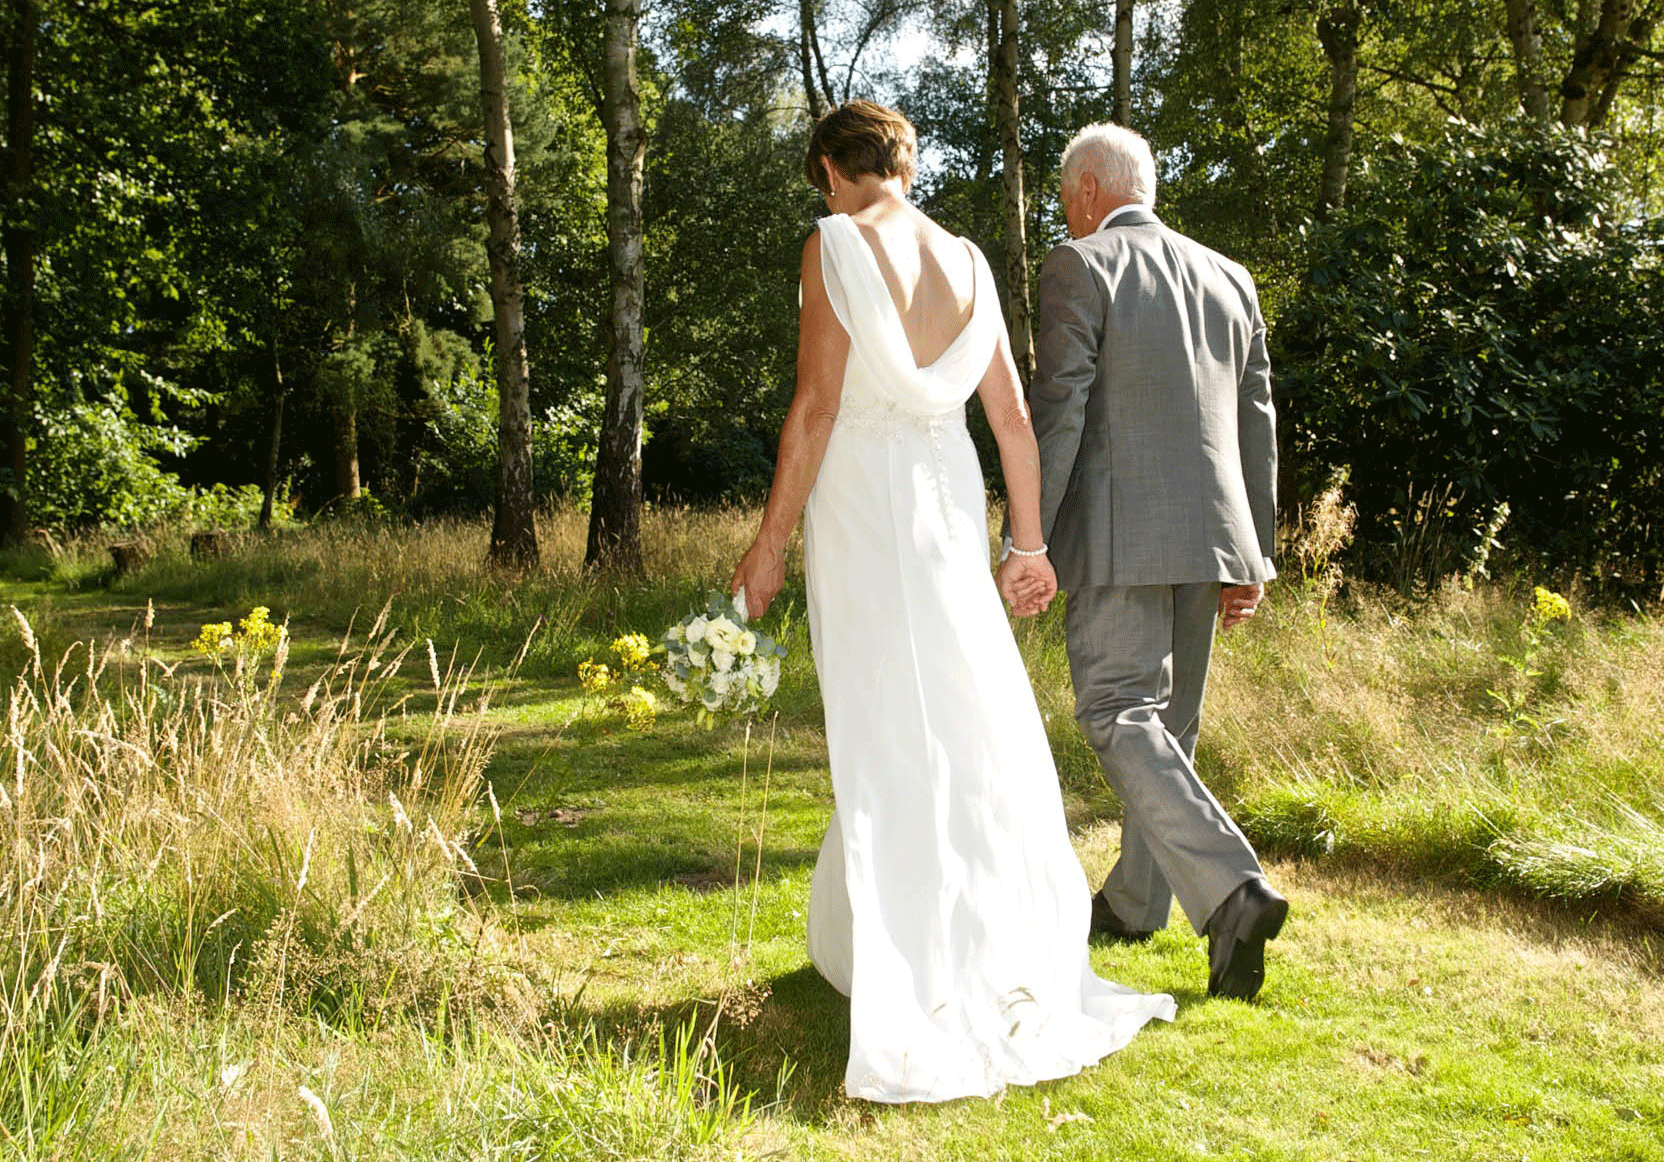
[(947, 902)]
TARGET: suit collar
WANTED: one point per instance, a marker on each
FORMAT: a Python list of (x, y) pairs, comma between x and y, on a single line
[(1131, 214)]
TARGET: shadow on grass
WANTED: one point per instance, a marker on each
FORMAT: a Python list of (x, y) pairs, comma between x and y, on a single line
[(785, 1040), (621, 869), (793, 1026)]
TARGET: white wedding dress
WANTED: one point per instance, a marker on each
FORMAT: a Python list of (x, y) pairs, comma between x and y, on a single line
[(947, 902)]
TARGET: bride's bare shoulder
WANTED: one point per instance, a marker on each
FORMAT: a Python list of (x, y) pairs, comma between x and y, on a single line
[(905, 238)]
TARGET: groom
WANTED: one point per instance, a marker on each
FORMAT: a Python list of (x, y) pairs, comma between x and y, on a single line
[(1152, 406)]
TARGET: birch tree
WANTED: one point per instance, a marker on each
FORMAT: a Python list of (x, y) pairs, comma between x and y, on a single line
[(811, 62), (1526, 36), (615, 506), (1605, 53), (1122, 113), (1337, 29)]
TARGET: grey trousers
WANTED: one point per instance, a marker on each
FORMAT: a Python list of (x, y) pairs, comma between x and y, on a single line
[(1139, 659)]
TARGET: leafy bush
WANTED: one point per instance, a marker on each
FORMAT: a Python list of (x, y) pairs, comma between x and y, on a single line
[(454, 464), (1485, 324), (92, 465)]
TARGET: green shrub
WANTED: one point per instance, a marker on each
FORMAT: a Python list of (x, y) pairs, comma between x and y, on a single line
[(1484, 324)]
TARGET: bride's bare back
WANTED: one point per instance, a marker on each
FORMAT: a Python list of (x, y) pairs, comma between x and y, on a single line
[(930, 274)]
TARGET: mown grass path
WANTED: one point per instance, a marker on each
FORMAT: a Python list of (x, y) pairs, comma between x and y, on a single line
[(1398, 1022)]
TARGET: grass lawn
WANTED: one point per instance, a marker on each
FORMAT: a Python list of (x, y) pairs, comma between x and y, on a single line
[(611, 980)]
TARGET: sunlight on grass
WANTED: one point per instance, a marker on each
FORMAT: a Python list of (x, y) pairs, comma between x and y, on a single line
[(473, 913)]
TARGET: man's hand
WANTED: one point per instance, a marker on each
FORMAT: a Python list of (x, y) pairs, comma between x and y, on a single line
[(1237, 603), (1028, 584)]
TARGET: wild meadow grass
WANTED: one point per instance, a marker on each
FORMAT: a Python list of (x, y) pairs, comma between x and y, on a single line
[(187, 840), (417, 895)]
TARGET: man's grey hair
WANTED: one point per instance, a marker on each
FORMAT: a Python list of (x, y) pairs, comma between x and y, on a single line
[(1119, 158)]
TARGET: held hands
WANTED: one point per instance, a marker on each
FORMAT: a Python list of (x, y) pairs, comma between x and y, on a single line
[(1237, 603), (762, 574), (1028, 584)]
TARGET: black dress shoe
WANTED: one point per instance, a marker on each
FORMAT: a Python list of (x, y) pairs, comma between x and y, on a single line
[(1237, 932), (1106, 924)]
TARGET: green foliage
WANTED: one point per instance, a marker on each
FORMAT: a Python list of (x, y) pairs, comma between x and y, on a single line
[(1486, 323), (1231, 97), (278, 203), (93, 465), (452, 458), (721, 309)]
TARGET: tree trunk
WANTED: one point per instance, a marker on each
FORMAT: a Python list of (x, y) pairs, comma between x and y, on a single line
[(513, 531), (346, 413), (1337, 29), (17, 315), (347, 486), (1598, 61), (1004, 67), (808, 49), (1122, 112), (280, 392), (615, 508), (1527, 38), (1628, 54)]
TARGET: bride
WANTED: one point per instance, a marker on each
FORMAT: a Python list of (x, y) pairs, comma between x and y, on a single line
[(947, 903)]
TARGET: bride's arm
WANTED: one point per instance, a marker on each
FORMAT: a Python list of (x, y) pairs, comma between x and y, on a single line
[(1002, 399), (1028, 582), (822, 352), (1025, 581)]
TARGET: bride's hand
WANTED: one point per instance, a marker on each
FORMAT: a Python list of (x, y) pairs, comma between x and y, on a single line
[(1028, 584), (762, 574)]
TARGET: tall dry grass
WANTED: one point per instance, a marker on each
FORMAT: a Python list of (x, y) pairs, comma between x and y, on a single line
[(436, 578), (1451, 737), (214, 861), (197, 837)]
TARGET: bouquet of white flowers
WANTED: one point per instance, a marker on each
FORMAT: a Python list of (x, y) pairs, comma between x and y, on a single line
[(712, 659)]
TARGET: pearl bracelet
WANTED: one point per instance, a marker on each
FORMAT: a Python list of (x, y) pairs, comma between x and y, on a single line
[(1040, 552)]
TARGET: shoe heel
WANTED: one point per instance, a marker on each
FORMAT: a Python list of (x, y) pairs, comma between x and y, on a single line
[(1270, 922)]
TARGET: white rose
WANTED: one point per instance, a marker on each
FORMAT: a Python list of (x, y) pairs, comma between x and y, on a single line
[(722, 634), (696, 629), (770, 674), (721, 660), (747, 643), (697, 655)]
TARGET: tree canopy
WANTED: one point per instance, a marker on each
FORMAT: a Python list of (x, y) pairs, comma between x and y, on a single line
[(246, 241)]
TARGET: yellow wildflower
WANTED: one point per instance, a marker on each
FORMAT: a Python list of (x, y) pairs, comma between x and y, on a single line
[(256, 631), (640, 708), (594, 676), (633, 650), (214, 640), (1548, 606)]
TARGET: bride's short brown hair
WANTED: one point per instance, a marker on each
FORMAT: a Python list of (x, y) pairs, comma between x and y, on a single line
[(862, 137)]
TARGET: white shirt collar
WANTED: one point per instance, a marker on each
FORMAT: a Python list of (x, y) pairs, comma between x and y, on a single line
[(1123, 208)]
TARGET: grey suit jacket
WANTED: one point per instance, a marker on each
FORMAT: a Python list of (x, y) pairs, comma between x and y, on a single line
[(1152, 407)]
